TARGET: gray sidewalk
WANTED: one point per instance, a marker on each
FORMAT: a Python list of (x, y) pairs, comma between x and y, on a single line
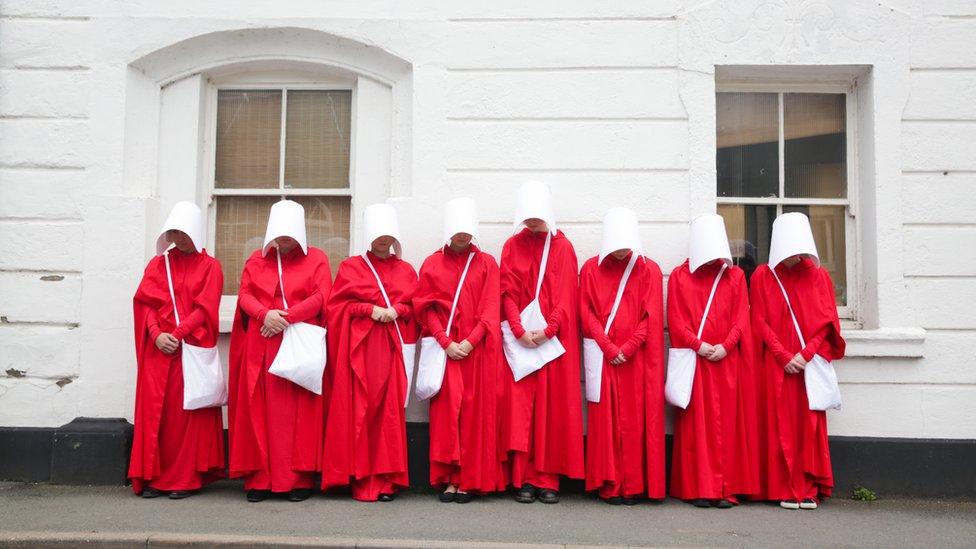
[(45, 514)]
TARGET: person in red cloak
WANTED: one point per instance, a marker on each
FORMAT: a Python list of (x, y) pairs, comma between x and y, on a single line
[(367, 377), (625, 392), (275, 424), (714, 455), (798, 472), (175, 450), (542, 425), (463, 413)]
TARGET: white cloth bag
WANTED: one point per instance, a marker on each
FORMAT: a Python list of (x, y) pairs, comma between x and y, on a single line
[(592, 354), (523, 360), (408, 350), (203, 379), (433, 358), (302, 355), (682, 362), (819, 377)]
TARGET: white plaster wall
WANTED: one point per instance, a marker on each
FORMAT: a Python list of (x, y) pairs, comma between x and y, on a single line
[(612, 104)]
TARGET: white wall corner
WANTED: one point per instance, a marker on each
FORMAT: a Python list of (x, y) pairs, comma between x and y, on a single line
[(886, 343)]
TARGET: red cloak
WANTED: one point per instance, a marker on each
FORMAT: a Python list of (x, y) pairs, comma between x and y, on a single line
[(463, 414), (542, 425), (715, 453), (173, 448), (365, 380), (625, 430), (275, 425), (797, 454)]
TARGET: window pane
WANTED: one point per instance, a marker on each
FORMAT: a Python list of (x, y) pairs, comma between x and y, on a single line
[(248, 139), (814, 126), (749, 229), (242, 220), (747, 158), (829, 232), (317, 139)]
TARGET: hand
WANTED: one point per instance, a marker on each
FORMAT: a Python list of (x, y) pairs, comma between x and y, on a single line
[(455, 352), (167, 343), (466, 346), (274, 323), (619, 359), (796, 364), (392, 314), (527, 341), (539, 337), (378, 314), (705, 350), (718, 353)]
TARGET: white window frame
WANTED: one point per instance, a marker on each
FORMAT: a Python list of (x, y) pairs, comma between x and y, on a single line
[(852, 231), (228, 303)]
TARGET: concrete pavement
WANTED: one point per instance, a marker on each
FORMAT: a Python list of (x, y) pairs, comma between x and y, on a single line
[(69, 516)]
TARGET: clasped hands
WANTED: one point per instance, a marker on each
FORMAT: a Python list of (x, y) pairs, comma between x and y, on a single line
[(274, 323), (383, 314), (533, 338), (713, 353)]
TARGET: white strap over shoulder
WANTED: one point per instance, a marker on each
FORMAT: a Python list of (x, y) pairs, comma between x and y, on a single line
[(169, 280), (457, 293), (386, 298), (796, 324), (711, 296), (281, 281), (620, 291), (543, 264)]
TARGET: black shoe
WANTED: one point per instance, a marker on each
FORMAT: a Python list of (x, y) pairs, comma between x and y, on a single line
[(180, 494), (723, 504), (299, 494), (149, 492), (548, 496), (703, 503), (255, 496), (526, 494), (387, 497), (447, 497), (615, 500), (630, 501), (463, 497)]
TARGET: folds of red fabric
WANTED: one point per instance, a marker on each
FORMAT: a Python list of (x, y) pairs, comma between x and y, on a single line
[(541, 423), (365, 381), (275, 425), (463, 414), (173, 448), (715, 453), (625, 430), (794, 438)]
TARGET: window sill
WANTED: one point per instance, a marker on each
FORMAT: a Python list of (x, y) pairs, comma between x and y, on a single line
[(885, 342)]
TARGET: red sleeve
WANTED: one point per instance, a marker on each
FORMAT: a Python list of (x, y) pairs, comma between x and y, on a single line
[(566, 294), (741, 305), (152, 323), (250, 304), (309, 308), (636, 340), (361, 309), (403, 310), (476, 334), (590, 322), (190, 323), (488, 304), (765, 332), (679, 323), (436, 328), (512, 315)]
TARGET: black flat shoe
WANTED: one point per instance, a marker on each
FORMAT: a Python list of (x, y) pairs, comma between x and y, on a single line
[(255, 496), (299, 494), (549, 496), (615, 500), (703, 503), (149, 492), (386, 497), (463, 497), (526, 494), (723, 504), (180, 494), (447, 497), (630, 501)]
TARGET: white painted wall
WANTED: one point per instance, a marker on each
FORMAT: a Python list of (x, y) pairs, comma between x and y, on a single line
[(612, 104)]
